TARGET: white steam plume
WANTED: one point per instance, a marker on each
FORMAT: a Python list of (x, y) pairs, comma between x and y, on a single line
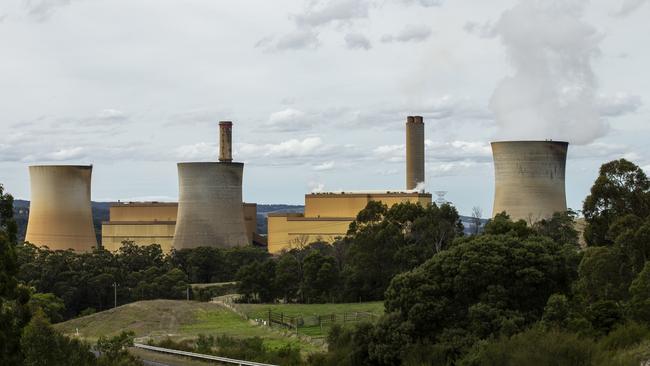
[(552, 94)]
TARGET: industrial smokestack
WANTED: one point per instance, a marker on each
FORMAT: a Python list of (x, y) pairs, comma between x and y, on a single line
[(210, 206), (225, 141), (414, 152), (529, 178), (60, 214)]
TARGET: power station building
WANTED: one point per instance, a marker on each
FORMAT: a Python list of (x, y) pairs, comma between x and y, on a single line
[(210, 200), (328, 215), (60, 214), (155, 222), (210, 211), (529, 178)]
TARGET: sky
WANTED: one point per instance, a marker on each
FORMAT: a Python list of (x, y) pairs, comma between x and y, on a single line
[(318, 90)]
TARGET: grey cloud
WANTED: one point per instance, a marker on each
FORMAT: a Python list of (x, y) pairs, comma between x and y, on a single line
[(424, 3), (63, 154), (446, 108), (42, 10), (320, 13), (618, 105), (197, 116), (482, 30), (410, 33), (315, 16), (289, 120), (357, 41), (628, 7), (298, 39), (328, 165)]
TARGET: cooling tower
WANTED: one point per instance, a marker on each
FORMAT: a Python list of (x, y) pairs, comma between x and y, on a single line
[(529, 178), (414, 151), (60, 214), (210, 206)]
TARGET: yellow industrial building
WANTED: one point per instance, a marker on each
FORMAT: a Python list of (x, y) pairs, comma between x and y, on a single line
[(328, 216), (154, 223)]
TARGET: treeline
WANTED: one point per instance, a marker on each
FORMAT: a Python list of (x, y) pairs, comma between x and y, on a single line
[(81, 283), (379, 244), (26, 336), (518, 294)]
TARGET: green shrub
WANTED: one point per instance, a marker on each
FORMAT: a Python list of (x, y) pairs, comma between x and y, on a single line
[(625, 336), (536, 347)]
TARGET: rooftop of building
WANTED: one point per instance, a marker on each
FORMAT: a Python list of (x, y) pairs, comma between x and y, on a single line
[(156, 204), (292, 216), (144, 204), (375, 193)]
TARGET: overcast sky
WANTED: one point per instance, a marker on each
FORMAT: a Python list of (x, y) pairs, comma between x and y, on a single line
[(318, 90)]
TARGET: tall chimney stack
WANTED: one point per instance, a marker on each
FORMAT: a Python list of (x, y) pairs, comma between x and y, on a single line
[(414, 151), (225, 141)]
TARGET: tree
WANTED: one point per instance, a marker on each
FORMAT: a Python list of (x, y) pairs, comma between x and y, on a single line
[(51, 305), (483, 286), (320, 278), (556, 312), (537, 347), (256, 281), (560, 227), (621, 188), (501, 224), (603, 275), (14, 313), (288, 276), (477, 213), (113, 351), (382, 242), (640, 291), (43, 346)]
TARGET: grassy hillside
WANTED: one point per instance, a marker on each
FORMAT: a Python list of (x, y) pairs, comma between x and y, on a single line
[(315, 320), (175, 319)]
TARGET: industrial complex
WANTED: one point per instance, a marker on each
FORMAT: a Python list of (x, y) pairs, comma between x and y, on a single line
[(329, 214), (155, 222), (529, 185)]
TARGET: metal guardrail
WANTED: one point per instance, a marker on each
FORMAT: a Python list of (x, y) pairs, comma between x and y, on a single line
[(201, 356)]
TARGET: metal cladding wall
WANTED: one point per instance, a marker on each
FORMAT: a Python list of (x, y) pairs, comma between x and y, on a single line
[(529, 178), (210, 206), (414, 151), (60, 214)]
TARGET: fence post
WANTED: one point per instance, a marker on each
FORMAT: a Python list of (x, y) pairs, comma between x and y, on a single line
[(282, 318), (269, 317), (320, 324)]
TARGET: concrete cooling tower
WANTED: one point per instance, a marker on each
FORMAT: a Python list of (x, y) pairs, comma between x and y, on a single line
[(414, 151), (210, 201), (529, 178), (60, 214)]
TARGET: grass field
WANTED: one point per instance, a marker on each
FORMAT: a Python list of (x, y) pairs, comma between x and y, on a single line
[(310, 313), (178, 320), (261, 310)]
